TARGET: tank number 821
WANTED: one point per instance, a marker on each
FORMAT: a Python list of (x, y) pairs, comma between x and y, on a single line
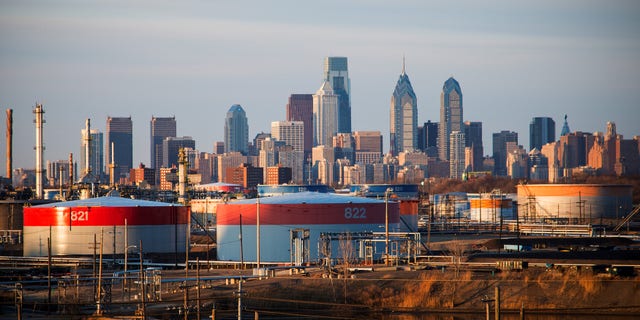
[(355, 213), (79, 215)]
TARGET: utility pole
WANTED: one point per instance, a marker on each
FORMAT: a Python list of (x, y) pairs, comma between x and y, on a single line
[(198, 288), (99, 302), (49, 271), (258, 232), (142, 280), (497, 306)]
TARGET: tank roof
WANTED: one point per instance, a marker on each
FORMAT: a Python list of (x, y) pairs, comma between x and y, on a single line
[(107, 202), (309, 198)]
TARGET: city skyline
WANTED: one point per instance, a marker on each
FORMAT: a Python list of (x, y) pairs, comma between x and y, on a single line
[(88, 61)]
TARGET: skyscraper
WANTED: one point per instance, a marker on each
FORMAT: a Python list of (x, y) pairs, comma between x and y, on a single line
[(161, 128), (428, 137), (171, 147), (500, 141), (368, 146), (542, 130), (450, 115), (218, 147), (473, 140), (290, 132), (404, 116), (236, 130), (300, 108), (96, 153), (456, 157), (120, 144), (337, 73), (325, 115)]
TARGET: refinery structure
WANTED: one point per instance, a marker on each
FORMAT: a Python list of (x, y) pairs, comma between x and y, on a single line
[(244, 206), (255, 215)]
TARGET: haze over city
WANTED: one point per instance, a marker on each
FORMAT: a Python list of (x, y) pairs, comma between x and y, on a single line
[(193, 60)]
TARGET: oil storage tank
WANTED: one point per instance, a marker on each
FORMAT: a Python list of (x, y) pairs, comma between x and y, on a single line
[(490, 207), (581, 203), (307, 213), (72, 225)]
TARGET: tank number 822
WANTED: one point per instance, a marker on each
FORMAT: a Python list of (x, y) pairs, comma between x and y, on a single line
[(355, 213), (79, 215)]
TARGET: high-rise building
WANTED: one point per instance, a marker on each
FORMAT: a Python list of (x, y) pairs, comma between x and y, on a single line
[(428, 137), (325, 115), (142, 173), (404, 116), (289, 158), (268, 155), (161, 128), (277, 175), (456, 157), (542, 130), (245, 175), (450, 115), (236, 130), (500, 140), (323, 159), (337, 73), (256, 146), (120, 144), (473, 140), (368, 141), (300, 108), (290, 132), (171, 147), (229, 160), (96, 154), (218, 147), (368, 147)]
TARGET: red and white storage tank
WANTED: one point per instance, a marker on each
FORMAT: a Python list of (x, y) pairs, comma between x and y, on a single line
[(72, 225), (279, 215)]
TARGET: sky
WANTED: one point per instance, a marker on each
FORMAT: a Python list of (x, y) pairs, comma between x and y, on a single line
[(192, 59)]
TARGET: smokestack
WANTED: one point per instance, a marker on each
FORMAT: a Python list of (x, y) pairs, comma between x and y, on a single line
[(10, 144), (70, 173), (183, 164), (87, 148), (39, 151), (112, 166)]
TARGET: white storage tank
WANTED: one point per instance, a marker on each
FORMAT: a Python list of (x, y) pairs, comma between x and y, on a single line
[(72, 225), (280, 215)]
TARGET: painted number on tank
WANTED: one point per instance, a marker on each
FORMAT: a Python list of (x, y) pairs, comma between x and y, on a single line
[(79, 215), (355, 213)]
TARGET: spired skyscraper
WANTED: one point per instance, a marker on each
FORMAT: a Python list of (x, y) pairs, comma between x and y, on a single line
[(542, 130), (337, 73), (450, 115), (236, 130), (404, 116), (325, 116), (120, 144)]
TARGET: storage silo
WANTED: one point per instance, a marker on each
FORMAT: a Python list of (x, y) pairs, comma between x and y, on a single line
[(283, 216), (72, 225), (581, 203), (490, 207)]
